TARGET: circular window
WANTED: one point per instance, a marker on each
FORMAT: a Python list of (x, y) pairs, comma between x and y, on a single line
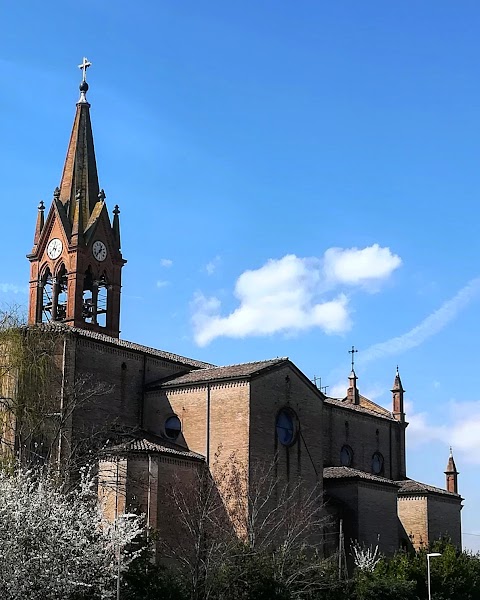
[(377, 463), (286, 427), (173, 427), (346, 456)]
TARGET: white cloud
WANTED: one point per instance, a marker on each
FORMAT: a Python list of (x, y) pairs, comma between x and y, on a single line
[(166, 262), (357, 267), (291, 294), (431, 325), (339, 390), (162, 283), (211, 266), (11, 288), (461, 432)]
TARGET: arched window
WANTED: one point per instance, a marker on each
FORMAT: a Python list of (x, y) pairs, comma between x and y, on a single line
[(346, 456), (88, 312), (46, 282), (173, 427), (102, 292), (286, 426), (377, 463), (62, 294), (94, 307)]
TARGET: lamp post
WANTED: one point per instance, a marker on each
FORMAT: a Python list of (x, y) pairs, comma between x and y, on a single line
[(428, 572)]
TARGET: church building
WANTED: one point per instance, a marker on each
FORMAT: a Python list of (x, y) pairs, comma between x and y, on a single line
[(160, 417)]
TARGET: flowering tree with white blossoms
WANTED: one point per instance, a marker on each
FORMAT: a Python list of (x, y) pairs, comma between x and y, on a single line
[(57, 545)]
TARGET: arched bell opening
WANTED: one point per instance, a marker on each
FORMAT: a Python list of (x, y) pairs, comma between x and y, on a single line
[(44, 314), (94, 302), (102, 293), (61, 294), (88, 299)]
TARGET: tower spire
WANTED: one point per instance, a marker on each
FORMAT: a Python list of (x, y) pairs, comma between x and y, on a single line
[(451, 474), (397, 398), (40, 222), (80, 169)]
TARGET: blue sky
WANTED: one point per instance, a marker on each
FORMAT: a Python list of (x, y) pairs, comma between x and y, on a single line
[(294, 178)]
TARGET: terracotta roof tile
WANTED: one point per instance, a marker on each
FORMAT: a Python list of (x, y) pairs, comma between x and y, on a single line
[(349, 473), (219, 373), (147, 443), (410, 486), (382, 413), (85, 333)]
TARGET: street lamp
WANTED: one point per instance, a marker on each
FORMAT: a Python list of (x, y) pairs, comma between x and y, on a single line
[(428, 571)]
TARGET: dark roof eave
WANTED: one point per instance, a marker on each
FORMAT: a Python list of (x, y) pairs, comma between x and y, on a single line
[(120, 343), (126, 452), (357, 408), (208, 375), (350, 478), (171, 385), (346, 474)]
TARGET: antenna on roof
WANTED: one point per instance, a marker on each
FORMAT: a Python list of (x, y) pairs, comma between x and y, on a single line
[(317, 382)]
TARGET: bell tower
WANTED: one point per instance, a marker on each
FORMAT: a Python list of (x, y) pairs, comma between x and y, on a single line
[(76, 262)]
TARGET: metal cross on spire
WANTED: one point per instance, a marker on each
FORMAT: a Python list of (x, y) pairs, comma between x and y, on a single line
[(84, 66), (352, 352)]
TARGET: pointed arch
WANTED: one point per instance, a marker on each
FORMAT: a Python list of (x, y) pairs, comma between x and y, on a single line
[(102, 299), (61, 293), (44, 309), (88, 297)]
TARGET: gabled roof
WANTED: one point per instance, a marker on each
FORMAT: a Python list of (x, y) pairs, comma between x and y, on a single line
[(238, 371), (368, 407), (146, 443), (349, 473), (106, 339), (415, 488)]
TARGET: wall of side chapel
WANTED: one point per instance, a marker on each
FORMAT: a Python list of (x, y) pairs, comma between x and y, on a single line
[(378, 521), (413, 514), (444, 519), (214, 417), (365, 434), (215, 424), (112, 487), (156, 486), (125, 372), (270, 392)]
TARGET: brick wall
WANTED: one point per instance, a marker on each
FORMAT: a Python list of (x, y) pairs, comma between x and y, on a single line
[(444, 519), (413, 514), (125, 372), (214, 417), (365, 434), (270, 393), (378, 521), (369, 512)]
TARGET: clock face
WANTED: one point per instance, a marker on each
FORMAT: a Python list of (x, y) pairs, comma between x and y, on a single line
[(54, 248), (99, 251)]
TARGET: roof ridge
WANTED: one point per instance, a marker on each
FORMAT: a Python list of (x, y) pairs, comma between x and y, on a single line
[(249, 362), (359, 408), (426, 488), (376, 404), (352, 472)]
